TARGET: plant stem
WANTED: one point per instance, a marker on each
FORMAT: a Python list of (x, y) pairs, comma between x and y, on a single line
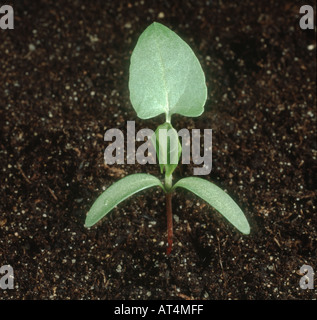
[(168, 182), (169, 214), (168, 118), (169, 222)]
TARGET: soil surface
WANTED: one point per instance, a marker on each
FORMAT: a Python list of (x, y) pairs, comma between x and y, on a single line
[(64, 82)]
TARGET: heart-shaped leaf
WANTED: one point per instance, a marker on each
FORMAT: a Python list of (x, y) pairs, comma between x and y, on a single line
[(165, 76)]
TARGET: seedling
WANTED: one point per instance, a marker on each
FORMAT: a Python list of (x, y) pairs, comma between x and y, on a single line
[(166, 78)]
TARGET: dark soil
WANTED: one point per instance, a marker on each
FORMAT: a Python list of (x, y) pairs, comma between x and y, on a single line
[(64, 82)]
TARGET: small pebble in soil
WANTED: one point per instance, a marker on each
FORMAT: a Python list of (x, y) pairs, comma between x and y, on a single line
[(32, 47)]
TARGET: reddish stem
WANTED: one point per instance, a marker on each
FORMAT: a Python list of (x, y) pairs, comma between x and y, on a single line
[(169, 222)]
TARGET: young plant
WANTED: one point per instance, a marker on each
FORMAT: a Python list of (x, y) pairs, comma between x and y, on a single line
[(166, 78)]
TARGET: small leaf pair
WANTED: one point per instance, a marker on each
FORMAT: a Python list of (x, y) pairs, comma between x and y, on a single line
[(134, 183)]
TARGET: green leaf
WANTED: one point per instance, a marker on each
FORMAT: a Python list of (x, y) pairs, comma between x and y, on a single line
[(217, 198), (168, 161), (165, 76), (118, 192)]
